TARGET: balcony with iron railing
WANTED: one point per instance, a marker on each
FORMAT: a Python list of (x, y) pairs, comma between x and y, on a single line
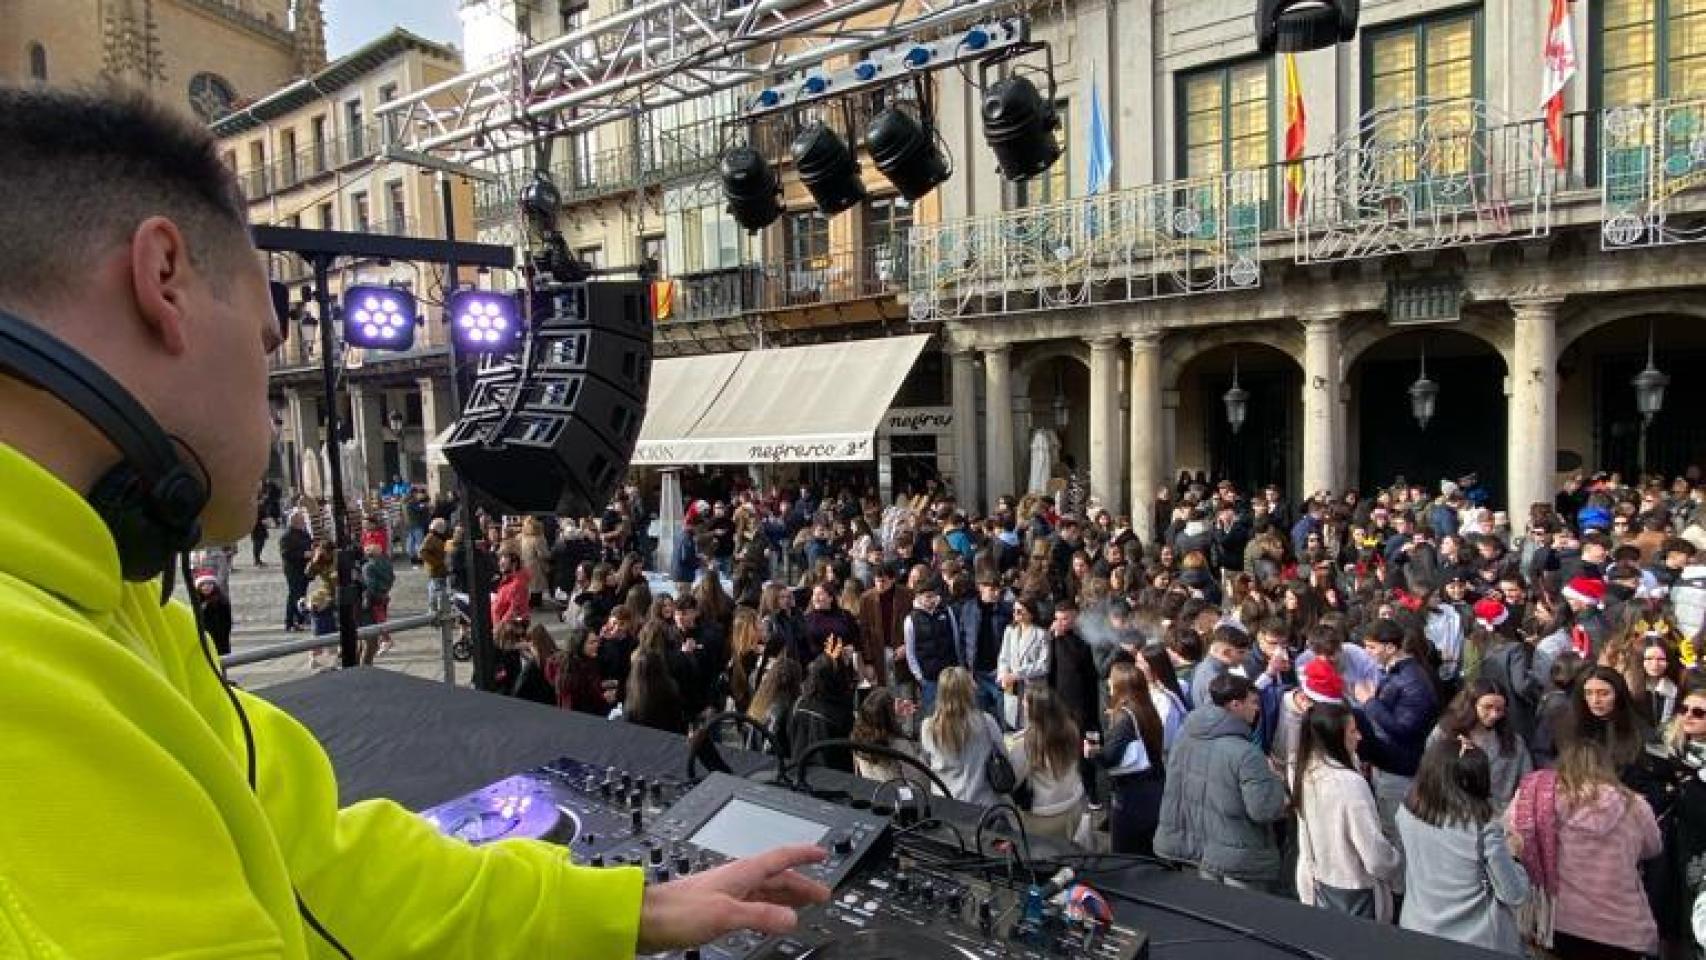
[(309, 163), (835, 278), (1424, 177), (651, 160)]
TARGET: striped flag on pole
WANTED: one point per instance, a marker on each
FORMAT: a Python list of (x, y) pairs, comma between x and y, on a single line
[(1560, 67), (1296, 131)]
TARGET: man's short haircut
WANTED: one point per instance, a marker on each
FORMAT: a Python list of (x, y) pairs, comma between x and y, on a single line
[(1231, 636), (1228, 688), (82, 170)]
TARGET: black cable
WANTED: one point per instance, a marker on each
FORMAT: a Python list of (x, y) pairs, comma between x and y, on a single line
[(934, 822), (1017, 818), (249, 751), (922, 805), (802, 766), (703, 746)]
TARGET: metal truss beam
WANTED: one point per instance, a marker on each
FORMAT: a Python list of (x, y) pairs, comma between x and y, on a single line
[(656, 54)]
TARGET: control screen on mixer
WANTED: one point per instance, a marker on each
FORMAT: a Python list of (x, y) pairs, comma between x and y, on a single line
[(743, 828)]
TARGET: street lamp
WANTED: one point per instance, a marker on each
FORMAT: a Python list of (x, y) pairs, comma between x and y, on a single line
[(1649, 387), (395, 421), (1237, 401), (1424, 393)]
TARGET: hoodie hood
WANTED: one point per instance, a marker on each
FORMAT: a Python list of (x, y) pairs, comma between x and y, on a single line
[(1209, 722), (1601, 815)]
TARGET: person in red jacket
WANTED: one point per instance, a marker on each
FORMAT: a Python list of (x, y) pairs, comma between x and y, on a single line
[(509, 600)]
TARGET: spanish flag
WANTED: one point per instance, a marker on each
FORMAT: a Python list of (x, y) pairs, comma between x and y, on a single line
[(1296, 129), (663, 299)]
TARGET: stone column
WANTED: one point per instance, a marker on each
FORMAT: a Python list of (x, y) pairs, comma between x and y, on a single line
[(1105, 423), (303, 410), (965, 427), (367, 425), (1533, 428), (998, 423), (1323, 455), (1147, 440), (436, 416)]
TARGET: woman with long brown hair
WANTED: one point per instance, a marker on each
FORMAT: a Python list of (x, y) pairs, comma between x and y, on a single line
[(1134, 753), (1045, 757), (746, 653)]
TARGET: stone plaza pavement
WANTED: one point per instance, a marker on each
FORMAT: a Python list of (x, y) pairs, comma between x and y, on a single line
[(257, 607)]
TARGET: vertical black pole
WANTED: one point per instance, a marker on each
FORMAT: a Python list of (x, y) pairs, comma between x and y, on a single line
[(479, 599), (349, 651)]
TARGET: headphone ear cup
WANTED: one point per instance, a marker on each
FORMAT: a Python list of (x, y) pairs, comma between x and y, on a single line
[(176, 503), (144, 546)]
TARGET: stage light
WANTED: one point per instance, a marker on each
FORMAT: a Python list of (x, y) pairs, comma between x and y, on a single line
[(827, 169), (905, 152), (540, 201), (1293, 26), (485, 321), (379, 318), (751, 187), (1018, 126)]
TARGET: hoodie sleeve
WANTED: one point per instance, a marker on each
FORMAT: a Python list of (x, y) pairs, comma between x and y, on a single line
[(1262, 790)]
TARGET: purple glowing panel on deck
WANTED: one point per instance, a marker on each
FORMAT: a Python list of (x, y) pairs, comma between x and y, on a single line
[(380, 318), (485, 321), (516, 807)]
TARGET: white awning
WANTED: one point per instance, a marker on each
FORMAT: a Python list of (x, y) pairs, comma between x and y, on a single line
[(796, 405)]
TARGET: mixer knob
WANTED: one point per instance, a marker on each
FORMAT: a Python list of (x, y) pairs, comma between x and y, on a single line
[(597, 860), (843, 844), (657, 791), (656, 855), (640, 785), (985, 915), (956, 901)]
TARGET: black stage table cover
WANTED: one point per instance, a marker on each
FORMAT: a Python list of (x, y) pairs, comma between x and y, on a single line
[(421, 743)]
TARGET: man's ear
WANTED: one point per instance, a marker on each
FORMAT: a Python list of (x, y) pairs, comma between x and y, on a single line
[(160, 278)]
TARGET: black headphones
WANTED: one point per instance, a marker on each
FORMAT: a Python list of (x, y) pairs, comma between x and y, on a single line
[(151, 501)]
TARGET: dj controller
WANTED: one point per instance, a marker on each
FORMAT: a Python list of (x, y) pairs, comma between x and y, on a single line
[(895, 897)]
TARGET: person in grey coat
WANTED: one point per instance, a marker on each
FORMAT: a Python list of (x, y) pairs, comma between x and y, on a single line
[(1222, 797), (1460, 880)]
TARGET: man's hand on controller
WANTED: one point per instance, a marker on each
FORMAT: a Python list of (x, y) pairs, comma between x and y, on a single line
[(757, 893)]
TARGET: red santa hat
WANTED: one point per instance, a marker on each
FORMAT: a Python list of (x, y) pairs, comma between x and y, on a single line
[(1586, 590), (1322, 683), (1490, 613), (204, 577)]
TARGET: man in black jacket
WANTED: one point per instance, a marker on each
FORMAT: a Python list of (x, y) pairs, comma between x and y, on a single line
[(293, 548), (1072, 668), (932, 639)]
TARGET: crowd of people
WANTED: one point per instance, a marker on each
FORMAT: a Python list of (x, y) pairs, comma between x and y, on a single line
[(1401, 707)]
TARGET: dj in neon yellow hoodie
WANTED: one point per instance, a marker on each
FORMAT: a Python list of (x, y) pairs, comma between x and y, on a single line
[(127, 827)]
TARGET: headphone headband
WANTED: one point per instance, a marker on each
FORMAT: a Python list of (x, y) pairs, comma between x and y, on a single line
[(151, 501)]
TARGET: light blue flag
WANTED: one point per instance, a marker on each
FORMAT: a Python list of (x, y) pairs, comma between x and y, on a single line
[(1101, 166)]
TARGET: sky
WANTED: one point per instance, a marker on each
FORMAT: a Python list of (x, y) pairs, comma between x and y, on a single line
[(351, 23)]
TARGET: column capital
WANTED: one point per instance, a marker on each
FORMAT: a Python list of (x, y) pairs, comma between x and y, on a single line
[(1146, 340), (961, 352), (1536, 306), (1103, 342), (996, 349), (1321, 324)]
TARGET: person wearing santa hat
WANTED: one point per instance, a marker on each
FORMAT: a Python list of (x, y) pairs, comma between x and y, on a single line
[(1589, 632), (1318, 682), (215, 609)]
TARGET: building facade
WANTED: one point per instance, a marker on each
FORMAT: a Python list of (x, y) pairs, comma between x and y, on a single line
[(207, 57), (1433, 221), (311, 155)]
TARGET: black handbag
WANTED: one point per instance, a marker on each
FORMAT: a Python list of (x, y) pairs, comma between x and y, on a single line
[(998, 770)]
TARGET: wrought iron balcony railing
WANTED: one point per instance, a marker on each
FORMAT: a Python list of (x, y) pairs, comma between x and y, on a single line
[(1653, 161), (307, 163), (1425, 177), (657, 157), (1167, 240), (837, 277)]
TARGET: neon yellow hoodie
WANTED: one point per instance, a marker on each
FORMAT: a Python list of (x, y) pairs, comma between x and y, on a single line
[(128, 828)]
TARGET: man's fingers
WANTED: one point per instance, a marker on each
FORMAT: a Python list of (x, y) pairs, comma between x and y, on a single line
[(792, 890), (767, 918), (755, 871)]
